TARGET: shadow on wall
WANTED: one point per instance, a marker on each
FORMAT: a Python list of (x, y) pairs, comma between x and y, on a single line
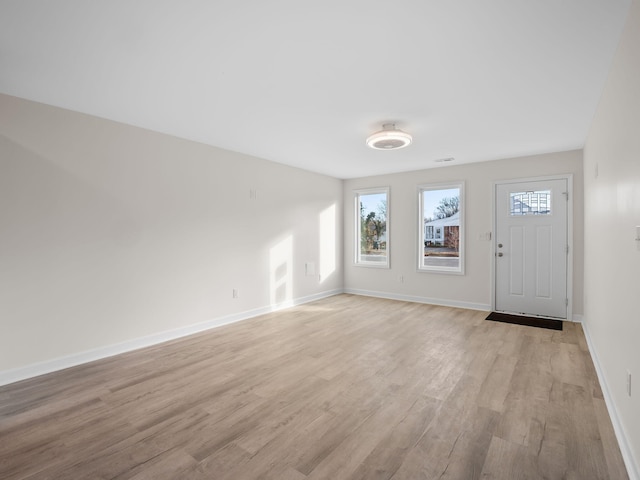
[(59, 243)]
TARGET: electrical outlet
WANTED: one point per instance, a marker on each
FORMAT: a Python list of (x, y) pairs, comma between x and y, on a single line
[(236, 293), (401, 278), (628, 383)]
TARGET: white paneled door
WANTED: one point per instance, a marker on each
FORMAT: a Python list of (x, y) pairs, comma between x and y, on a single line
[(531, 249)]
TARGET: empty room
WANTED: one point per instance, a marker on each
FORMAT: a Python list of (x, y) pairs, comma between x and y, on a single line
[(333, 240)]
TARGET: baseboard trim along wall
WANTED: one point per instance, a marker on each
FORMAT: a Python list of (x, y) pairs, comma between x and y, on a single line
[(415, 299), (633, 468), (34, 370)]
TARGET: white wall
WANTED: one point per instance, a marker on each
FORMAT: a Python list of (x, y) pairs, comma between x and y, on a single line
[(612, 256), (110, 233), (474, 288)]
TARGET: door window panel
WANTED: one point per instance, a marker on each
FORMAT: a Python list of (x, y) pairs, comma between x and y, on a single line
[(530, 203)]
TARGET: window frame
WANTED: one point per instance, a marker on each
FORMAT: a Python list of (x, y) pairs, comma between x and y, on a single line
[(421, 268), (357, 260)]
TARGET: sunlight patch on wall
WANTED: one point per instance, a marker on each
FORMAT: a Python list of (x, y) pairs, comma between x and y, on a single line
[(327, 242), (281, 273)]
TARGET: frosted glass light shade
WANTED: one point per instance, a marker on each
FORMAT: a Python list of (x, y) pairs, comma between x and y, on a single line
[(389, 138)]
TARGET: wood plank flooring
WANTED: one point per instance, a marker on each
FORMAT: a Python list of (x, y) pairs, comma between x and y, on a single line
[(347, 387)]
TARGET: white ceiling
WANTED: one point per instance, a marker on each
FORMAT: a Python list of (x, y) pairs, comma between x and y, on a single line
[(304, 83)]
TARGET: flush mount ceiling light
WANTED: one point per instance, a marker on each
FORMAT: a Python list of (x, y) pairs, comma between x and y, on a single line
[(389, 138)]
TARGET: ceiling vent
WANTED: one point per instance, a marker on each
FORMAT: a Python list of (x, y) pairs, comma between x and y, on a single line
[(389, 138)]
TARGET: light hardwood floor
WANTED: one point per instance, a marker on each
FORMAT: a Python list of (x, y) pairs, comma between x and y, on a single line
[(344, 388)]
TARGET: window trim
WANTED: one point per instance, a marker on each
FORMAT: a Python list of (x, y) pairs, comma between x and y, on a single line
[(421, 268), (357, 261)]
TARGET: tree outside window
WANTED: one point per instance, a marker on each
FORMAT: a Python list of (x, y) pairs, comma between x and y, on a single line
[(372, 242)]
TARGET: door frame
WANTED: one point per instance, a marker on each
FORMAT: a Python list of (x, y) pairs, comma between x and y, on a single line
[(569, 178)]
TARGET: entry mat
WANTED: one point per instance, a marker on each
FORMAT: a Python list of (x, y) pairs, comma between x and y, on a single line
[(528, 321)]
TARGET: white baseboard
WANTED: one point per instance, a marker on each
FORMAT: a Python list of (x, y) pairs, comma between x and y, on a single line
[(415, 299), (49, 366), (577, 318), (633, 467)]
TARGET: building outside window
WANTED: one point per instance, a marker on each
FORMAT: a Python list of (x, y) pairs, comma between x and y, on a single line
[(441, 227)]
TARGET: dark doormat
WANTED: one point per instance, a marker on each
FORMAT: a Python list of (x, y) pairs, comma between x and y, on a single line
[(528, 321)]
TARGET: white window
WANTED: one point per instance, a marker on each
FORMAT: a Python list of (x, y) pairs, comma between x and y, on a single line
[(372, 227), (441, 227), (428, 232)]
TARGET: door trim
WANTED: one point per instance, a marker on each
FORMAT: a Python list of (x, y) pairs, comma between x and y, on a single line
[(569, 178)]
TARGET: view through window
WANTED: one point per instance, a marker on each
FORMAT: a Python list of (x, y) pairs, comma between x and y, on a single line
[(372, 227), (441, 228), (530, 203)]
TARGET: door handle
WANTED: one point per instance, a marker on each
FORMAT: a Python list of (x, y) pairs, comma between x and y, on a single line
[(499, 245), (500, 254)]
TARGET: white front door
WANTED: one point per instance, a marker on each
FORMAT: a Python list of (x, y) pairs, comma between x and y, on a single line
[(531, 248)]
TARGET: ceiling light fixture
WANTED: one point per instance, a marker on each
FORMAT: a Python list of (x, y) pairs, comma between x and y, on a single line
[(389, 138)]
